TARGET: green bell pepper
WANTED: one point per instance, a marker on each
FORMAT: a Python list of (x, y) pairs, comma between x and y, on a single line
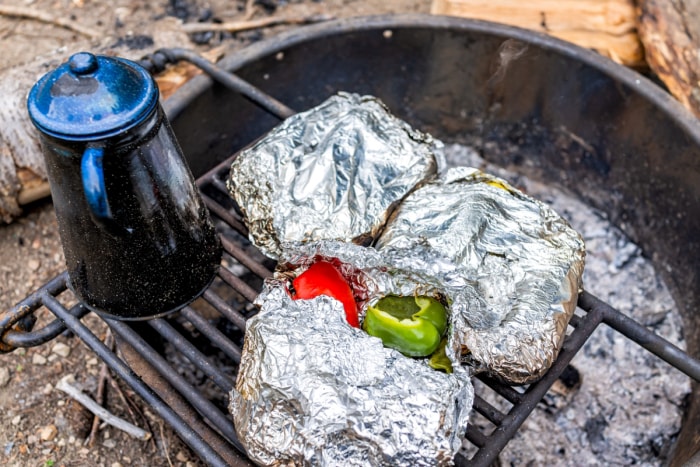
[(411, 325), (439, 359)]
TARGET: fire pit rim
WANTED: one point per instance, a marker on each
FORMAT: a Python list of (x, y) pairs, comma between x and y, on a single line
[(642, 85)]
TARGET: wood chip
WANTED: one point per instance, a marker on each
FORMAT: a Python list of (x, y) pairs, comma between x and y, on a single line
[(48, 433)]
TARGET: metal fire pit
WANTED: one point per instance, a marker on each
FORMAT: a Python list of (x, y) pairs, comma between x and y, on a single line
[(528, 102)]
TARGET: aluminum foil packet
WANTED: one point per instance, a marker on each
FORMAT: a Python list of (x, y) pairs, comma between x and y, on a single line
[(332, 172), (312, 390), (522, 264)]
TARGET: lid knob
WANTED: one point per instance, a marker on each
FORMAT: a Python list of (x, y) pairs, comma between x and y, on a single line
[(82, 63)]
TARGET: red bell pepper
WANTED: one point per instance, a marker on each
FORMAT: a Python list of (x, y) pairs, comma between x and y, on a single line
[(322, 278)]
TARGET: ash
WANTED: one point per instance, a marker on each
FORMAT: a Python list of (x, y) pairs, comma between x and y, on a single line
[(616, 404)]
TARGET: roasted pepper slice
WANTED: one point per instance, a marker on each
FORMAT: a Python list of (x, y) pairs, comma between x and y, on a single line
[(322, 278), (439, 359), (411, 325)]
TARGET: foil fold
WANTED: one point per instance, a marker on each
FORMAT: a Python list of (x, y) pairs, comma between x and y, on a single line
[(311, 390), (522, 263), (349, 183), (333, 172)]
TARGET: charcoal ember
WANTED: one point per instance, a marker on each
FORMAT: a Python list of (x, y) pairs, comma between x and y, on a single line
[(563, 390)]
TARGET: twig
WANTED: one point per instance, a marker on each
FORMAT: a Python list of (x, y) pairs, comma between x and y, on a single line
[(165, 445), (30, 13), (129, 404), (100, 396), (100, 411), (237, 26), (249, 9), (90, 440)]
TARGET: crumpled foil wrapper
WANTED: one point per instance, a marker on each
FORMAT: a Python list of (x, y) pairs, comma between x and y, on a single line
[(312, 390), (333, 172), (521, 262)]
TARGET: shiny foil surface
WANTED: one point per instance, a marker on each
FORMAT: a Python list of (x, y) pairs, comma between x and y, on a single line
[(312, 390), (522, 264), (332, 172), (325, 184)]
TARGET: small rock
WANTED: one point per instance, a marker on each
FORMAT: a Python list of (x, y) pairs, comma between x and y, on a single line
[(48, 433), (38, 359), (189, 464), (92, 362), (61, 442), (16, 421), (127, 460), (61, 349), (31, 439), (109, 443), (71, 439), (33, 264), (4, 376), (181, 456), (116, 464), (47, 389)]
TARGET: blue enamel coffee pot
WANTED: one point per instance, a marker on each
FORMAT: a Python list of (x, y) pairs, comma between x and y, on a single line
[(137, 238)]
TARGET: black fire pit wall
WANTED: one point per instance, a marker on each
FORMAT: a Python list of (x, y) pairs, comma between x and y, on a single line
[(551, 110)]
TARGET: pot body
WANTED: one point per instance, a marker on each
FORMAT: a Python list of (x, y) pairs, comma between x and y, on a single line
[(137, 238), (158, 250)]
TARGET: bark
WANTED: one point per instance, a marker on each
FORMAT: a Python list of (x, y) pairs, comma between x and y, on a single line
[(670, 32)]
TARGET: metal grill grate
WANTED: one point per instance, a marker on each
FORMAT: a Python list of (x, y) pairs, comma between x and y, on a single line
[(213, 344)]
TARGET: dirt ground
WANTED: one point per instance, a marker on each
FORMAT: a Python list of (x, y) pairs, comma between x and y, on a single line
[(39, 425)]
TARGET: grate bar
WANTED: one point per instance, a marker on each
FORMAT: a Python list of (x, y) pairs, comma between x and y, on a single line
[(237, 252), (476, 437), (225, 309), (641, 335), (507, 392), (230, 80), (183, 430), (241, 287), (201, 404), (219, 184), (491, 413), (535, 392), (216, 336), (18, 339), (225, 215), (200, 360)]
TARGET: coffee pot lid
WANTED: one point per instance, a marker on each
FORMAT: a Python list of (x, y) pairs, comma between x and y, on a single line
[(92, 97)]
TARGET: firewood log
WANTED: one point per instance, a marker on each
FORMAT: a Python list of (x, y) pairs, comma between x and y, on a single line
[(670, 32), (607, 26)]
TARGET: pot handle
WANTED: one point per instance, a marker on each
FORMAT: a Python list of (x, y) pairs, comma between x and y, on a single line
[(92, 174)]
